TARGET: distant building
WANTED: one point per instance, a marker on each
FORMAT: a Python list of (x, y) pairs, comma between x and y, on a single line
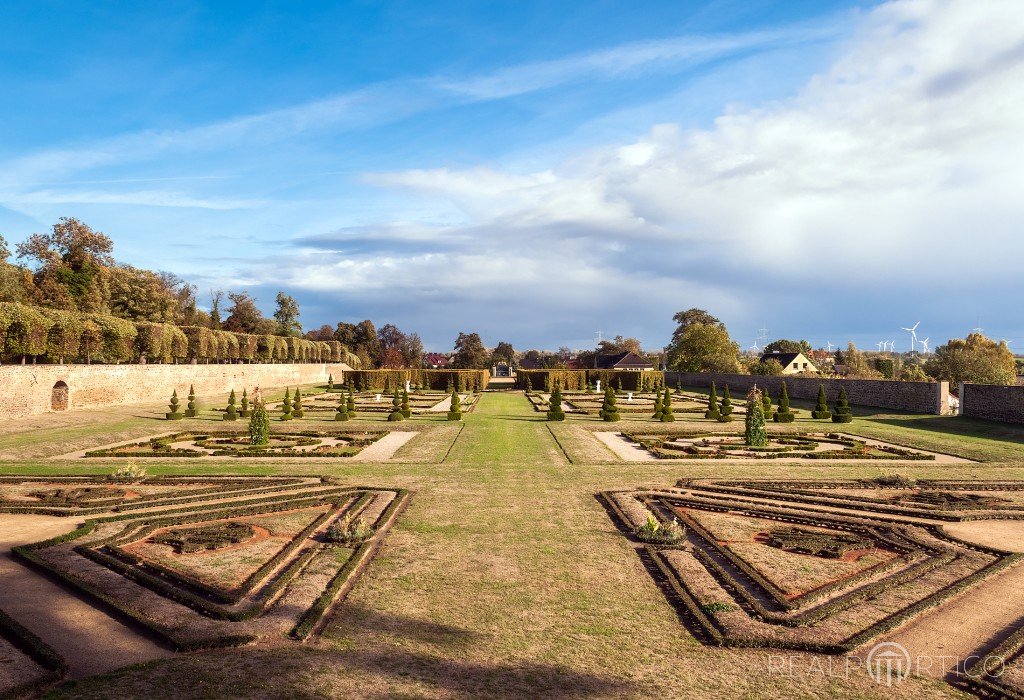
[(435, 360), (627, 361), (792, 362), (529, 363)]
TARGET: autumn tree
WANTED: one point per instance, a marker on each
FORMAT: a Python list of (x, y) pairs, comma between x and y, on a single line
[(69, 265), (701, 343), (976, 359), (503, 352), (244, 317), (470, 352), (783, 345)]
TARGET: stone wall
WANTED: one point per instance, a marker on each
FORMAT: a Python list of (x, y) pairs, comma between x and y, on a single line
[(916, 397), (992, 402), (31, 389)]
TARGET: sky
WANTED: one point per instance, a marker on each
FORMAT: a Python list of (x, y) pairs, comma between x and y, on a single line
[(539, 172)]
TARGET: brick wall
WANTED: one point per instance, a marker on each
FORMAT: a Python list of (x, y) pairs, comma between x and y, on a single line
[(916, 397), (29, 389), (992, 402)]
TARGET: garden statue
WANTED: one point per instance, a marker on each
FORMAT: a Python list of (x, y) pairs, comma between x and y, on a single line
[(377, 398), (629, 398), (598, 388)]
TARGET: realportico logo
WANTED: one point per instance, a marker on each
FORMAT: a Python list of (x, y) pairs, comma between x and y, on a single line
[(888, 663)]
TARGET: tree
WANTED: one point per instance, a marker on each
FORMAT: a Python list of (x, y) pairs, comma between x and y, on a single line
[(216, 298), (412, 350), (470, 352), (821, 411), (609, 411), (297, 404), (396, 408), (975, 359), (231, 413), (175, 413), (555, 411), (70, 265), (666, 408), (783, 345), (725, 412), (701, 343), (286, 405), (770, 368), (842, 412), (785, 413), (244, 317), (287, 316), (503, 352), (856, 363), (259, 423), (712, 411), (455, 411), (754, 433), (193, 408)]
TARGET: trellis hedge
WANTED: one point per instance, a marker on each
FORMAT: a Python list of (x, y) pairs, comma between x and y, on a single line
[(577, 379), (461, 380), (52, 335)]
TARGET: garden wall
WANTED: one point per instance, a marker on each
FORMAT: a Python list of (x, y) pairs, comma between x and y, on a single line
[(992, 402), (32, 389), (916, 397)]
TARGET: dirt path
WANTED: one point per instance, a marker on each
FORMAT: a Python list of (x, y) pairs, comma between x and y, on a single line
[(384, 448), (89, 639), (446, 405), (1001, 534), (623, 448), (939, 642)]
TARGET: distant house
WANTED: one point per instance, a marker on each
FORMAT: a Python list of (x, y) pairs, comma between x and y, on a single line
[(627, 361), (792, 362), (435, 360)]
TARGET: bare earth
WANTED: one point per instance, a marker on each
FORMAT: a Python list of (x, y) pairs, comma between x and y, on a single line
[(385, 448), (624, 449), (89, 639), (1001, 534)]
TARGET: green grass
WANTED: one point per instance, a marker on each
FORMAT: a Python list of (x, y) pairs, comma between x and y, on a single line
[(506, 578)]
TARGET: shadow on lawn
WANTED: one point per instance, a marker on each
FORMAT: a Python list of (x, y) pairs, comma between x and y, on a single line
[(964, 427)]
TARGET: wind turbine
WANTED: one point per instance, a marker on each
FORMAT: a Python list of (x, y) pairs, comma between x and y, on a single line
[(913, 335), (880, 344), (924, 344), (830, 346), (755, 348), (892, 346)]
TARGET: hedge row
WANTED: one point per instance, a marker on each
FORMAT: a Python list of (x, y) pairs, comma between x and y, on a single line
[(52, 335), (578, 379), (461, 380)]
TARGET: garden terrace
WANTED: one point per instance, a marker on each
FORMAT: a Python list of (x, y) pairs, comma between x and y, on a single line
[(308, 444), (830, 447), (227, 568), (776, 565)]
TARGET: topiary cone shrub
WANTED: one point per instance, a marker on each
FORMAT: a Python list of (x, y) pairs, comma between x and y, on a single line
[(784, 414), (529, 385), (330, 382), (754, 432), (842, 412), (193, 410), (351, 403), (712, 411), (286, 405), (821, 411), (555, 411), (406, 411), (666, 408), (609, 411), (174, 413), (726, 410), (244, 413), (231, 413), (396, 408), (297, 411), (342, 412), (455, 411), (657, 406), (766, 404), (259, 425)]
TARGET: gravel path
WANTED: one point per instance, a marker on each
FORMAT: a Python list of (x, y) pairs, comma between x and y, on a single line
[(384, 448), (446, 405), (623, 448), (88, 638)]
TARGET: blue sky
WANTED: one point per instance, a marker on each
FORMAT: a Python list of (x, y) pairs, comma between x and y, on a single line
[(538, 171)]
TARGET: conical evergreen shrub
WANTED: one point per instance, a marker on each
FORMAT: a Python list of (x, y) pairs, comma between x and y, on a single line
[(726, 410), (712, 411), (754, 433), (528, 384), (297, 411), (821, 411), (785, 413), (455, 411), (842, 413), (555, 411), (193, 408), (231, 413), (396, 408), (351, 403), (330, 382), (259, 425), (244, 413), (657, 406), (286, 405), (342, 412), (609, 411), (406, 411), (666, 408), (175, 413), (766, 404)]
